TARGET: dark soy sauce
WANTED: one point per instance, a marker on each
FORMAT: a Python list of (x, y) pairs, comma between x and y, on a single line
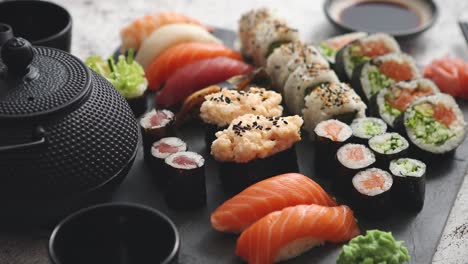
[(380, 16)]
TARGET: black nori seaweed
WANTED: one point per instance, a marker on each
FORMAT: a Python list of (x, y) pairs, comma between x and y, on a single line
[(149, 136), (346, 118), (408, 192), (339, 66), (159, 170), (372, 207), (235, 177), (210, 131), (355, 81), (383, 160), (325, 151), (139, 104)]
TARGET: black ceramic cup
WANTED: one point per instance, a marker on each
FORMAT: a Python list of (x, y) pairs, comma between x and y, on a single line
[(41, 23), (115, 233)]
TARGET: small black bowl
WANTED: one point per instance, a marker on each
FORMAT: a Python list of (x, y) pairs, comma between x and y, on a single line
[(41, 23), (426, 12), (115, 233)]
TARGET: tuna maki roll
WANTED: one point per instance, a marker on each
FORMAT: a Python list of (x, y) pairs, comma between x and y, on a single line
[(287, 58), (434, 124), (361, 51), (366, 127), (330, 47), (160, 150), (247, 27), (254, 148), (387, 147), (155, 125), (409, 183), (371, 192), (186, 188), (392, 101), (219, 109)]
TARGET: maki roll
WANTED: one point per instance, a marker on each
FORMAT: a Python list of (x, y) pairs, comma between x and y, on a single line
[(363, 50), (392, 101), (155, 125), (366, 127), (351, 158), (287, 58), (434, 124), (186, 188), (383, 71), (371, 192), (247, 25), (219, 109), (160, 150), (304, 80), (388, 146), (409, 183), (332, 100), (329, 47), (254, 148), (330, 135)]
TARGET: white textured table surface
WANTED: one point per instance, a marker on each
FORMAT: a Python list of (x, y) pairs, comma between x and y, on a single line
[(96, 27)]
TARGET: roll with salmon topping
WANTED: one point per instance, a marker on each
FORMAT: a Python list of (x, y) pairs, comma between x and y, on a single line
[(155, 125), (160, 150)]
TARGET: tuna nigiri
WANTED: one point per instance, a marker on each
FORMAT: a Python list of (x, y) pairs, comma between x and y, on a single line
[(168, 36), (139, 29), (198, 75), (182, 54), (285, 234), (267, 196)]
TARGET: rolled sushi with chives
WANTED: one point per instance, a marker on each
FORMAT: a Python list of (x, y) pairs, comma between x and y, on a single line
[(382, 71), (365, 128), (388, 146), (371, 193), (434, 124), (254, 148), (330, 47), (390, 102), (160, 150), (330, 135), (155, 125), (186, 183), (409, 183), (219, 109)]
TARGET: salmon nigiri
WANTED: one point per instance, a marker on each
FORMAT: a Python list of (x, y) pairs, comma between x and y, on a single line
[(285, 234), (182, 54), (139, 29), (198, 75), (267, 196)]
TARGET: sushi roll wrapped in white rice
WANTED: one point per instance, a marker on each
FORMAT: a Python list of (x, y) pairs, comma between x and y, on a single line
[(247, 24), (302, 81), (285, 59), (269, 35), (331, 100), (370, 77)]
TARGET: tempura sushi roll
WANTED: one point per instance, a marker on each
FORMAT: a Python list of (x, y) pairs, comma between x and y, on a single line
[(155, 125), (247, 25), (371, 192), (409, 183), (392, 101), (434, 124), (256, 147), (365, 128), (330, 135), (332, 100), (269, 35), (287, 58), (363, 50), (329, 47), (388, 146), (304, 80), (160, 150), (351, 158), (380, 72), (186, 187), (219, 109)]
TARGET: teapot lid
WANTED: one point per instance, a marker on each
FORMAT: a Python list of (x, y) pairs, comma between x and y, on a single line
[(36, 81)]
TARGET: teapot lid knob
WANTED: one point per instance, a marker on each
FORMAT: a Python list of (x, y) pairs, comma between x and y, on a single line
[(17, 54)]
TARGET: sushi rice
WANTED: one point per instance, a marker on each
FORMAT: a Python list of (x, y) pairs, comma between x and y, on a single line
[(367, 127), (407, 167), (388, 143)]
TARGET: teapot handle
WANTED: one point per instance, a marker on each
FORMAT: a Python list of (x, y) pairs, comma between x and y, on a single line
[(38, 139)]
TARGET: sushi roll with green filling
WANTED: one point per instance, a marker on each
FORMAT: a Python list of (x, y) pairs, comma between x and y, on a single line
[(434, 124), (331, 100), (361, 51), (155, 125), (287, 58), (409, 183), (330, 47), (366, 127), (372, 193), (388, 146), (160, 150), (392, 101), (247, 27), (254, 148), (186, 184)]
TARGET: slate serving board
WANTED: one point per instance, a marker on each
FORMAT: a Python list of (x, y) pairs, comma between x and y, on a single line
[(203, 245)]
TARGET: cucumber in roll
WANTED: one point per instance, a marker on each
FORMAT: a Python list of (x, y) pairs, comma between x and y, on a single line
[(388, 146), (365, 128), (409, 183), (329, 47)]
